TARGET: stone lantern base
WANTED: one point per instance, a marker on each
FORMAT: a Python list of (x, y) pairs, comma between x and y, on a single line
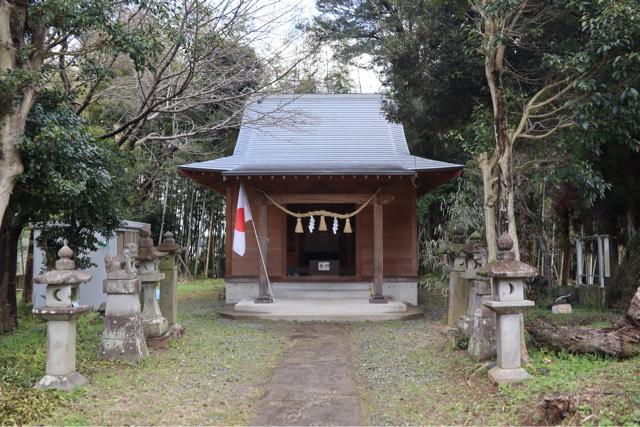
[(62, 382), (159, 342), (499, 375), (156, 332), (60, 369), (156, 327)]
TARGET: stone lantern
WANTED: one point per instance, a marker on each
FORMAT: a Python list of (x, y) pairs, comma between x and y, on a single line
[(168, 285), (62, 313), (123, 336), (156, 327), (507, 283)]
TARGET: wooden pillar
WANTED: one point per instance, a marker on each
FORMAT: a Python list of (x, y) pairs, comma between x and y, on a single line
[(378, 256), (263, 233)]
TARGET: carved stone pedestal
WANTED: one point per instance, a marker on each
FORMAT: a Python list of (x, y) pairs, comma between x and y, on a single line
[(123, 336)]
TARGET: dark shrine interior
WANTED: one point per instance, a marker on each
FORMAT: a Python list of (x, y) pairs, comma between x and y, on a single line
[(321, 253)]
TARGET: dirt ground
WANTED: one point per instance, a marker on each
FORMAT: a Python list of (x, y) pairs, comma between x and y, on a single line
[(314, 382)]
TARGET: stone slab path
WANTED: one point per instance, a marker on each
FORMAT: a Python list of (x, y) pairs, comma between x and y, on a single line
[(314, 383)]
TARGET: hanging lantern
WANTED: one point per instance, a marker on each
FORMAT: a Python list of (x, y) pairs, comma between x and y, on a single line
[(299, 229), (347, 226), (323, 224)]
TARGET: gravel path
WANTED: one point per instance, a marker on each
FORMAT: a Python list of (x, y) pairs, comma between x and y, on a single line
[(314, 382)]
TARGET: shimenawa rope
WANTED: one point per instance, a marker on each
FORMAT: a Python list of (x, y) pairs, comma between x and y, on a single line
[(321, 212)]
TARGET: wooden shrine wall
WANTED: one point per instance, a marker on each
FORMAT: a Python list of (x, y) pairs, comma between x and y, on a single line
[(400, 250)]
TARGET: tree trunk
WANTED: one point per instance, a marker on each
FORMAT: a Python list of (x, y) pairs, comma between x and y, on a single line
[(10, 161), (489, 181), (165, 194), (9, 236), (27, 293), (13, 20), (565, 247), (627, 277), (494, 69), (621, 341)]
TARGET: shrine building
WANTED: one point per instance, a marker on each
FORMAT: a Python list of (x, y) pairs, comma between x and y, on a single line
[(332, 189)]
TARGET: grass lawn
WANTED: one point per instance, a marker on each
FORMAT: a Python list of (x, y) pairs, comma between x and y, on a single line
[(406, 373), (213, 375)]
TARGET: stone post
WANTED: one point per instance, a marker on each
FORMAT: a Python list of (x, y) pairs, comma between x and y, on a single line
[(123, 336), (168, 285), (457, 290), (471, 250), (156, 327), (478, 323), (507, 282), (61, 313), (481, 322)]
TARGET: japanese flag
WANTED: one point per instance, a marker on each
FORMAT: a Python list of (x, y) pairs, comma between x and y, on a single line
[(243, 214)]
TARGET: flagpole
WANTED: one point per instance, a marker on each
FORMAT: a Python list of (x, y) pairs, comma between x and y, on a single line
[(264, 265)]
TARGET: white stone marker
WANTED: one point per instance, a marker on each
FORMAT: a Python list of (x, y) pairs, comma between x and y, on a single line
[(561, 309), (507, 278), (60, 370)]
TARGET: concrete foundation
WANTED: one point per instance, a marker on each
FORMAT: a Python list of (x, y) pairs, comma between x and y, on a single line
[(406, 292), (322, 310)]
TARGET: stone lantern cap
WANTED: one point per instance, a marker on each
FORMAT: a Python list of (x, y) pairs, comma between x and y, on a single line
[(456, 244), (65, 272), (59, 282), (169, 244), (146, 250), (471, 246), (506, 265)]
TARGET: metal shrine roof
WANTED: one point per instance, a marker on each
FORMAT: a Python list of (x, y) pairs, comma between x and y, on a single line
[(319, 135)]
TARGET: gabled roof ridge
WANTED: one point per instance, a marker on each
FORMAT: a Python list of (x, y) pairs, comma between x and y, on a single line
[(319, 134)]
